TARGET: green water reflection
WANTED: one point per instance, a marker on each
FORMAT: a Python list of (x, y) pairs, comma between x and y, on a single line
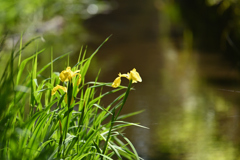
[(197, 123), (188, 118)]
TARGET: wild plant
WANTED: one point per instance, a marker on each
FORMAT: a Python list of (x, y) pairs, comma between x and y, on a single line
[(62, 116)]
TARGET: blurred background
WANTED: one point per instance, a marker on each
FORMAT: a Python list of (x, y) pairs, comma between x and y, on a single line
[(186, 51)]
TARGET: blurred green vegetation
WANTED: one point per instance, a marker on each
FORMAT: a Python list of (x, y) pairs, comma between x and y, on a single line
[(58, 23), (17, 16), (212, 22)]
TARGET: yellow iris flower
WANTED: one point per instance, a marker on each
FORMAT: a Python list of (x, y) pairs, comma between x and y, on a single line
[(133, 75), (68, 74)]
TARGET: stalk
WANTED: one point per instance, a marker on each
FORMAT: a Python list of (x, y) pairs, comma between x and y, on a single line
[(125, 98), (69, 99)]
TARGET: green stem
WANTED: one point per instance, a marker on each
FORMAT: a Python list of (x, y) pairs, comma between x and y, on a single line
[(69, 99), (125, 98)]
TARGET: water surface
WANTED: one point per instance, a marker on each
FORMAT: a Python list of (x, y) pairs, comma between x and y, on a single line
[(189, 98)]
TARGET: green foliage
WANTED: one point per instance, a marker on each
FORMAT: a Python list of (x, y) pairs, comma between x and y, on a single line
[(48, 19), (36, 124), (18, 15)]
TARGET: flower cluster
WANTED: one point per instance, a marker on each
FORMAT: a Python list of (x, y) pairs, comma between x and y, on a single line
[(133, 75), (65, 76)]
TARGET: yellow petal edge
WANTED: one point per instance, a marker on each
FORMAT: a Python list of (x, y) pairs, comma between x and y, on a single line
[(54, 90)]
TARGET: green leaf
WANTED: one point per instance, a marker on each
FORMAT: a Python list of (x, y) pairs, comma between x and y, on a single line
[(23, 64)]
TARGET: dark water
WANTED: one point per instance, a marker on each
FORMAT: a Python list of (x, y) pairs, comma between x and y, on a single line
[(190, 98)]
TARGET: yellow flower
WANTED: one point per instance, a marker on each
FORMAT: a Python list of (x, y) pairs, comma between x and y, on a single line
[(116, 82), (68, 74), (134, 76), (54, 90)]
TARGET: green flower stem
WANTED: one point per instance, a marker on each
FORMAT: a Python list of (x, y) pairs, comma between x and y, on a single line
[(115, 118), (69, 94), (69, 99), (125, 98)]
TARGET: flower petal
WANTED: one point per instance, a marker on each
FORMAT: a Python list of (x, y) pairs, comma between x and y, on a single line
[(116, 82), (134, 76), (66, 75), (124, 75), (54, 90)]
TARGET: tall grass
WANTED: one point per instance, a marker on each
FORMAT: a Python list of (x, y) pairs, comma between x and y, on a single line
[(38, 123)]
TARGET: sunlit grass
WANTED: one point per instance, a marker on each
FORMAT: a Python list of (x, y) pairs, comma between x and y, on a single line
[(70, 123)]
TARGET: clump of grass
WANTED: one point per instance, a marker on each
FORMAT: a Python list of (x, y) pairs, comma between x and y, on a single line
[(61, 117)]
